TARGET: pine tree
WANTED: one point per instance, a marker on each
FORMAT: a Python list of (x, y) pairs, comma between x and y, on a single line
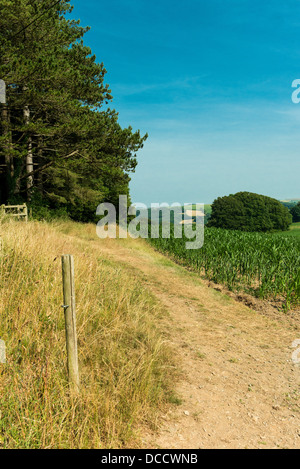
[(60, 145)]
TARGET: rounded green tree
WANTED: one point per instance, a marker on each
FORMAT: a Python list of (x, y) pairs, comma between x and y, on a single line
[(246, 211), (295, 212)]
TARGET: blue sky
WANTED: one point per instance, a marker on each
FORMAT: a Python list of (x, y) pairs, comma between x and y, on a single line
[(210, 81)]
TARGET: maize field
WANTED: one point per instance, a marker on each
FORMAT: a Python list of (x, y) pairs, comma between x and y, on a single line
[(263, 265)]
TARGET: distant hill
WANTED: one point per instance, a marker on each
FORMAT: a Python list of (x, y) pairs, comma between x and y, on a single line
[(290, 203), (290, 200), (188, 211)]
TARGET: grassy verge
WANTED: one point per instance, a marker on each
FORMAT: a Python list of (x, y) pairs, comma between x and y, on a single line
[(124, 363), (294, 231)]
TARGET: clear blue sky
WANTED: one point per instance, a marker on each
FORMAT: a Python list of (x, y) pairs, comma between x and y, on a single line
[(210, 81)]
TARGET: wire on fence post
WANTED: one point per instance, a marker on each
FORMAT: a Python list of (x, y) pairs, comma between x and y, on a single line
[(70, 321)]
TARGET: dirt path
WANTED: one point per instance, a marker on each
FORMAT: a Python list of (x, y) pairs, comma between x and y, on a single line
[(239, 387)]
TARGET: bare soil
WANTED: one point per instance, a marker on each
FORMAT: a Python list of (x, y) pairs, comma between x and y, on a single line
[(238, 386)]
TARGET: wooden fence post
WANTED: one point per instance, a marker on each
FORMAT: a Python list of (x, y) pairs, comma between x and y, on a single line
[(70, 321), (25, 213)]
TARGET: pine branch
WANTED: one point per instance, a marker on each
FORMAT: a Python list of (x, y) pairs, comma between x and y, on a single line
[(46, 166)]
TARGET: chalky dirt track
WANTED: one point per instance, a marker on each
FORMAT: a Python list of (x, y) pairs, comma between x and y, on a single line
[(238, 386)]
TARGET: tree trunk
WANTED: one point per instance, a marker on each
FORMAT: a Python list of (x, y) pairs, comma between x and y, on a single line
[(29, 156), (7, 150), (39, 177)]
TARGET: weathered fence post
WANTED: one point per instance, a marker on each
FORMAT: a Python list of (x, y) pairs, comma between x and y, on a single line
[(70, 321), (25, 211)]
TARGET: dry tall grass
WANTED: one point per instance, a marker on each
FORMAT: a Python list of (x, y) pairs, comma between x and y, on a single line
[(123, 360)]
